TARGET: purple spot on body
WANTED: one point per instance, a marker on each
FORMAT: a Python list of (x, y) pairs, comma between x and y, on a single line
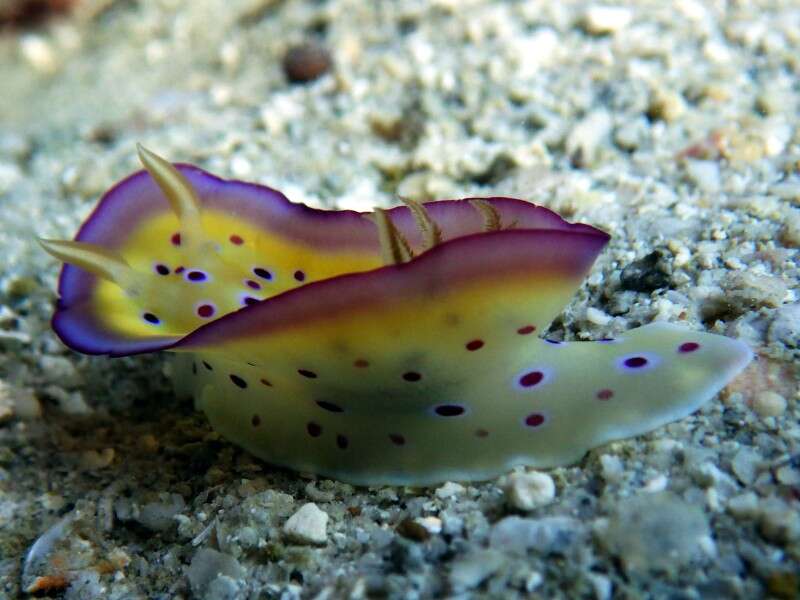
[(196, 276), (205, 311), (299, 275), (249, 301), (329, 406), (179, 270), (208, 366), (449, 410), (687, 347), (162, 269), (397, 439), (412, 376), (253, 285), (238, 381), (314, 429), (554, 342), (534, 420), (255, 420), (342, 442), (526, 330), (263, 273), (307, 373), (151, 318), (474, 345), (531, 379), (605, 394), (236, 240), (635, 362), (175, 239)]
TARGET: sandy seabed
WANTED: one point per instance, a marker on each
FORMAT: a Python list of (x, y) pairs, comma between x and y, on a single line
[(673, 126)]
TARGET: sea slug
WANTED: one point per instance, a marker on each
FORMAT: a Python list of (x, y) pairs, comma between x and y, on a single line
[(395, 347)]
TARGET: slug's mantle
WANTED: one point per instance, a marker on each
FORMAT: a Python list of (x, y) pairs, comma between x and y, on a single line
[(395, 347)]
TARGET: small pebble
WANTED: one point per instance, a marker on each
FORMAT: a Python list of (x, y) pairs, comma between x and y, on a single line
[(667, 106), (449, 490), (597, 316), (224, 588), (39, 53), (306, 62), (745, 465), (426, 186), (467, 572), (583, 142), (318, 495), (656, 484), (708, 475), (745, 290), (775, 136), (704, 174), (207, 565), (656, 532), (550, 535), (15, 145), (85, 585), (602, 585), (602, 20), (52, 501), (611, 467), (10, 175), (70, 403), (536, 50), (410, 529), (160, 515), (785, 326), (432, 524), (646, 274), (93, 460), (240, 167), (60, 370), (533, 581), (744, 506), (769, 404), (628, 136), (789, 188), (307, 526), (527, 491), (420, 529), (780, 523), (788, 475), (21, 403)]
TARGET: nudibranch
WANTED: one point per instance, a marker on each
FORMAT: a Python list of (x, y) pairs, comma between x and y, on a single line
[(395, 347)]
